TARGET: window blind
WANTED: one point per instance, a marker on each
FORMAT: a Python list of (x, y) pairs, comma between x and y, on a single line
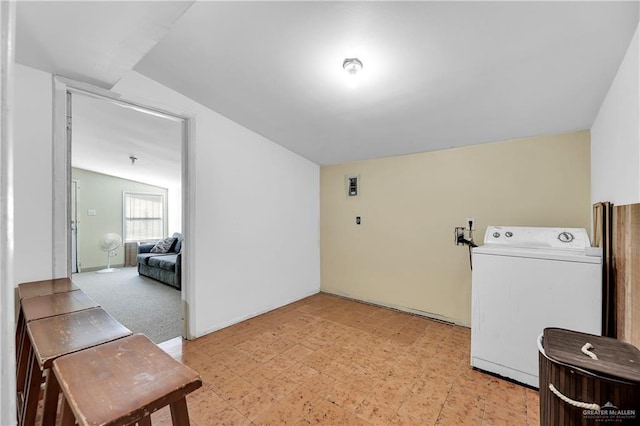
[(143, 216)]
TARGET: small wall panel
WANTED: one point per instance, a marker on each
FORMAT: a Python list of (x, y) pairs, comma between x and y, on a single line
[(626, 250)]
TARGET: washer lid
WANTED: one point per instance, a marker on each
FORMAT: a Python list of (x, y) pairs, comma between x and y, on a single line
[(534, 237), (580, 256)]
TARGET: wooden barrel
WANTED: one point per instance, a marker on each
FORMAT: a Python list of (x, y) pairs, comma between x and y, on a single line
[(576, 389)]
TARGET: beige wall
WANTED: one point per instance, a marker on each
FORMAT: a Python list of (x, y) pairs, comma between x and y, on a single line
[(403, 254), (103, 194)]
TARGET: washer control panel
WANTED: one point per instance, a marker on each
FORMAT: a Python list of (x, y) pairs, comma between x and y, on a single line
[(536, 237)]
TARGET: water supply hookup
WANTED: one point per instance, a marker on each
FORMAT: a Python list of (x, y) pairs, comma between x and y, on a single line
[(462, 239)]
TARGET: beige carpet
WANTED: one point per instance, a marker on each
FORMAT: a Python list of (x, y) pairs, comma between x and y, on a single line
[(141, 304)]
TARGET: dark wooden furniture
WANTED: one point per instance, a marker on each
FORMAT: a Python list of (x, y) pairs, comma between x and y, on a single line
[(36, 308), (42, 288), (25, 291), (588, 380), (39, 307), (123, 382), (54, 337), (38, 288)]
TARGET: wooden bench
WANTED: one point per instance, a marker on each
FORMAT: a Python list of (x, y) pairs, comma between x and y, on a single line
[(40, 307), (28, 291), (123, 382), (54, 337), (45, 287), (34, 289)]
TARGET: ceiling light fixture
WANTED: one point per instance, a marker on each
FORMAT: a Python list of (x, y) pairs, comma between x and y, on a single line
[(352, 65)]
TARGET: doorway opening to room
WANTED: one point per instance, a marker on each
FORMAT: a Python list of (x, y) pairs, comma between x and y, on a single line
[(125, 209)]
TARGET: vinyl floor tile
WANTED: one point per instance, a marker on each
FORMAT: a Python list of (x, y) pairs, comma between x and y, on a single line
[(254, 404), (326, 360), (326, 413)]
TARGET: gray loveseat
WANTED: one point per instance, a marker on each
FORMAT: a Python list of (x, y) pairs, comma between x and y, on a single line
[(163, 267)]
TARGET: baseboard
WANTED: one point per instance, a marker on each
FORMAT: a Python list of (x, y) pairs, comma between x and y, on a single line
[(255, 314), (97, 268), (425, 314)]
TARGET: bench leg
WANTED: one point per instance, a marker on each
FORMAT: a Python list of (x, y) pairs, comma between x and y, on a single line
[(19, 329), (32, 392), (67, 418), (22, 360), (145, 421), (51, 393), (179, 412)]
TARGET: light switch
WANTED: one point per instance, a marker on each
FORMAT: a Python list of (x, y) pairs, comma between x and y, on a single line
[(91, 212)]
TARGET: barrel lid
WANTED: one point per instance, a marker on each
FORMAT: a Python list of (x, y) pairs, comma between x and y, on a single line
[(616, 359)]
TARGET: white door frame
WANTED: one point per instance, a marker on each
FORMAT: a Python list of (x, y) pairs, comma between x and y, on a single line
[(61, 249), (74, 226), (7, 286)]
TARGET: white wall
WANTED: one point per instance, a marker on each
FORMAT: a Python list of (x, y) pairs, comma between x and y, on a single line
[(104, 195), (615, 136), (32, 168), (256, 219), (174, 204), (257, 206), (7, 312)]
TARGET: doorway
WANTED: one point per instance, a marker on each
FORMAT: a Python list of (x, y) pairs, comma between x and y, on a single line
[(81, 224)]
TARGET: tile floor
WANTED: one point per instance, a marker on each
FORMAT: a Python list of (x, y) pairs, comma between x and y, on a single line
[(332, 361)]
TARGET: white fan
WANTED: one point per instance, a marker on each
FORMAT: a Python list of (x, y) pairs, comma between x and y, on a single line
[(109, 243)]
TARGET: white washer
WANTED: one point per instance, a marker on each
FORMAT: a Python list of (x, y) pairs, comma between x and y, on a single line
[(525, 279)]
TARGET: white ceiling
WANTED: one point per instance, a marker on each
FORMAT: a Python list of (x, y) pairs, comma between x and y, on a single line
[(106, 134), (92, 41), (436, 74), (98, 43)]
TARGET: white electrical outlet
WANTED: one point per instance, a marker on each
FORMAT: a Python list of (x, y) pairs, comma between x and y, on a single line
[(471, 220)]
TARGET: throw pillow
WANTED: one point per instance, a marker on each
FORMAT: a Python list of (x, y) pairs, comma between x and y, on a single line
[(163, 246)]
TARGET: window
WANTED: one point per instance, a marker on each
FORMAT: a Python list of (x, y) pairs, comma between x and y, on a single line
[(143, 216)]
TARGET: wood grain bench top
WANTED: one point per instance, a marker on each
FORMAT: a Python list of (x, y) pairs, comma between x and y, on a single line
[(122, 381), (50, 305), (41, 288), (63, 334)]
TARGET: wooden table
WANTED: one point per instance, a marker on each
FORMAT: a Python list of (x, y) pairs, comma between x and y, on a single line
[(54, 337), (123, 382)]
